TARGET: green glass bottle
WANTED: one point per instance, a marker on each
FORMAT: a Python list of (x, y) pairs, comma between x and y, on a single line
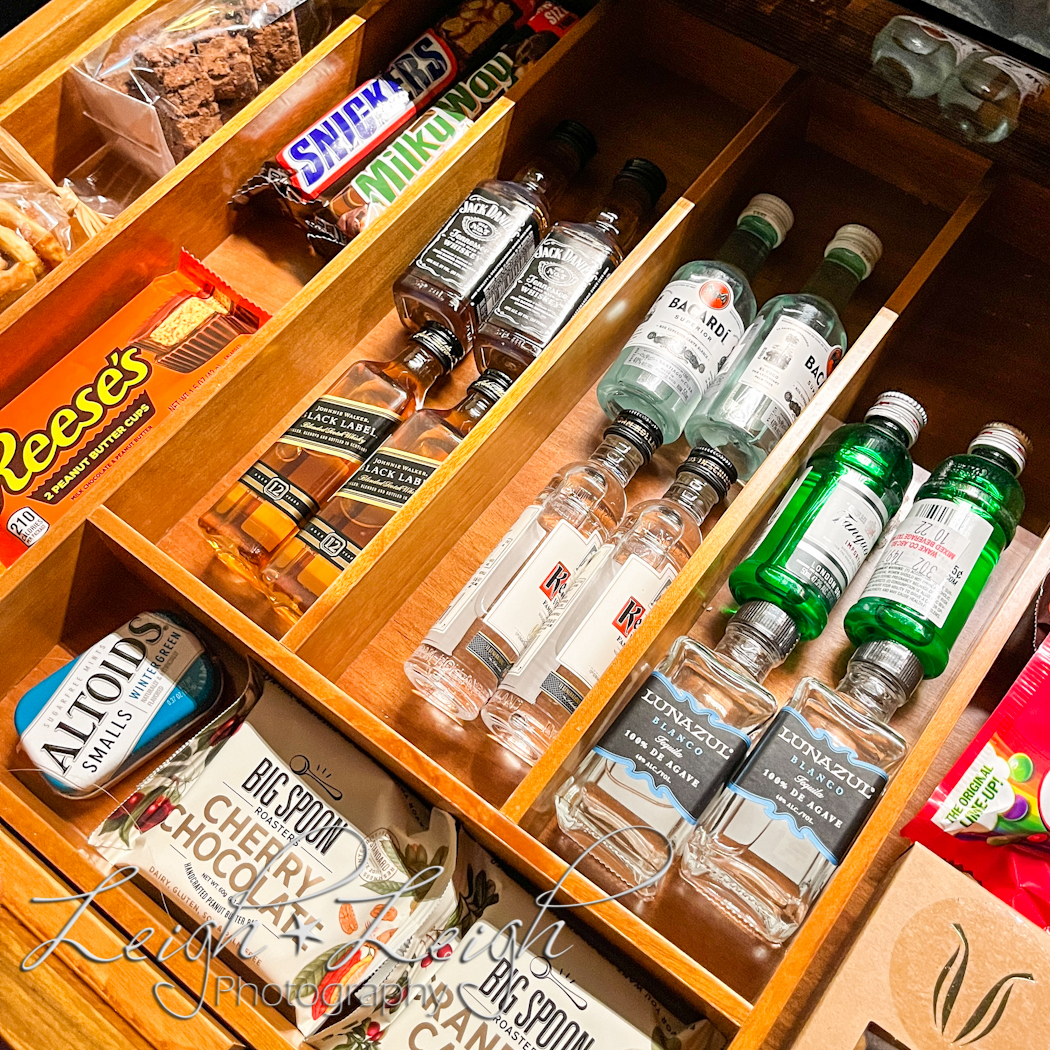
[(939, 559), (827, 524)]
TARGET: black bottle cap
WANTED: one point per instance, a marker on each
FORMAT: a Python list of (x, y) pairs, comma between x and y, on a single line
[(713, 466), (578, 137), (639, 430), (648, 174), (441, 343), (492, 383)]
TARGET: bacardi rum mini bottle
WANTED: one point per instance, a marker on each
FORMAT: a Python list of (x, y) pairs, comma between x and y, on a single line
[(938, 561), (308, 562), (604, 606), (324, 446), (483, 631), (766, 848), (785, 356), (567, 268), (680, 738), (831, 518), (689, 336), (915, 57), (475, 257)]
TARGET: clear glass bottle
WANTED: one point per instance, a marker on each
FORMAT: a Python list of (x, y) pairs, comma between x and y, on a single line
[(566, 269), (938, 561), (785, 356), (308, 562), (322, 448), (675, 745), (688, 337), (768, 845), (476, 255), (982, 99), (604, 606), (915, 57), (471, 647), (832, 517)]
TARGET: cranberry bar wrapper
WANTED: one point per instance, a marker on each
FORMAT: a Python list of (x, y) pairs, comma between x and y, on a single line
[(499, 974), (990, 816), (298, 849), (66, 430)]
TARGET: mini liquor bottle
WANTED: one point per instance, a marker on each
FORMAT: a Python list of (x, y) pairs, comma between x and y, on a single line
[(566, 269), (768, 845), (479, 636), (831, 518), (982, 98), (915, 57), (934, 568), (323, 447), (309, 561), (604, 606), (475, 257), (674, 746), (785, 356), (689, 335)]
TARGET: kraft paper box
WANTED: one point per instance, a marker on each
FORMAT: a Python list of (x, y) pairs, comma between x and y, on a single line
[(939, 964)]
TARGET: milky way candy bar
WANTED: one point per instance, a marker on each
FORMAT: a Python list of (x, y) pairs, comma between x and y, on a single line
[(320, 161)]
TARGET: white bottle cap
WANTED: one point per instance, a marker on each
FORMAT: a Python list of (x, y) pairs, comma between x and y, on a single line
[(901, 409), (1006, 438), (864, 243), (775, 211)]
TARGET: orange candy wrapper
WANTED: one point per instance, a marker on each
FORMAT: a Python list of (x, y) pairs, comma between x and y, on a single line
[(67, 429)]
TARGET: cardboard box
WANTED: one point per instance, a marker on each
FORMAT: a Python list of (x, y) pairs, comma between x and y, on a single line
[(939, 964)]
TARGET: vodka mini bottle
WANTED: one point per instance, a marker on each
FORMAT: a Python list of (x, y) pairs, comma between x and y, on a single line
[(604, 606), (832, 517), (982, 99), (785, 356), (471, 647), (478, 253), (680, 738), (323, 447), (768, 845), (689, 335), (915, 57), (935, 566), (309, 561), (567, 268)]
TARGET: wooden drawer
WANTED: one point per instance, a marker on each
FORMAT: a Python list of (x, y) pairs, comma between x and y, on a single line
[(955, 313)]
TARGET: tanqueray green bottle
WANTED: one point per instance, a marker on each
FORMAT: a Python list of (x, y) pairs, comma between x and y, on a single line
[(937, 563), (831, 518)]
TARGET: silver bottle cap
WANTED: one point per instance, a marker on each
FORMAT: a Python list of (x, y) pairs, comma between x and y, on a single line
[(864, 244), (774, 211), (771, 622), (901, 409), (894, 659), (1006, 438)]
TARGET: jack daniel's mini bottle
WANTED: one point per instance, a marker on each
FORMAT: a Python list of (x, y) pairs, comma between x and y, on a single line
[(479, 636), (567, 268), (604, 606), (766, 848), (673, 747), (475, 257), (310, 561), (323, 447)]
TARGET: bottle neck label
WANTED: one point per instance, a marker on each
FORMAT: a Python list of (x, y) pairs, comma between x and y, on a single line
[(389, 478), (563, 273), (328, 543), (789, 367), (1030, 82), (482, 248), (687, 337), (962, 45), (678, 751), (930, 557), (821, 790), (337, 426), (292, 502)]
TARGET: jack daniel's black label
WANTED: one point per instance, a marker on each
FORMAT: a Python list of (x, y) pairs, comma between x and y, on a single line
[(820, 788), (389, 478), (341, 427), (279, 492)]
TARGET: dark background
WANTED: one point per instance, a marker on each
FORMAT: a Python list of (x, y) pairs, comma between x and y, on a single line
[(13, 11)]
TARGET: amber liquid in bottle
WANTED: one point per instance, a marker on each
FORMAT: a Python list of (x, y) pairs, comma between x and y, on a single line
[(297, 474), (309, 561)]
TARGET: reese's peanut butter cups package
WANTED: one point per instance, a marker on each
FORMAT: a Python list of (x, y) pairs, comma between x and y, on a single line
[(67, 429), (309, 864)]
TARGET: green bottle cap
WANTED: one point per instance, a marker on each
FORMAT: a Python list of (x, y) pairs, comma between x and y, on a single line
[(773, 211), (859, 240)]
